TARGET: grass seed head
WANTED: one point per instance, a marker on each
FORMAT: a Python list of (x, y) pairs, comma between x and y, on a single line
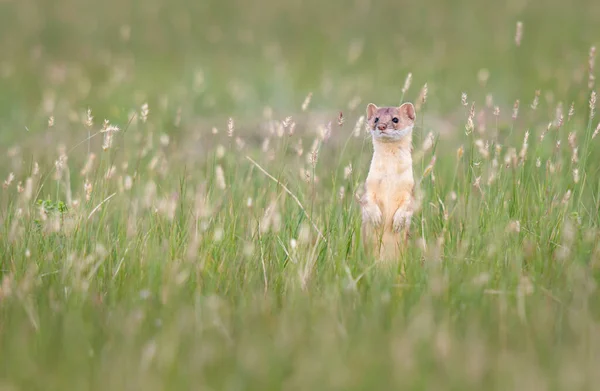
[(519, 33), (428, 170), (230, 127), (240, 143), (60, 165), (164, 140), (536, 100), (515, 113), (573, 144), (596, 131), (87, 188), (559, 117), (354, 103), (306, 101), (220, 177), (407, 83), (299, 148), (358, 126), (525, 146), (324, 132), (110, 172), (591, 63), (28, 192), (87, 168), (313, 157), (571, 111), (348, 171), (89, 119), (477, 185), (510, 158), (108, 130), (271, 219), (340, 120), (491, 177), (144, 112), (482, 76), (422, 97), (9, 180), (470, 125), (218, 234), (265, 144), (550, 166), (545, 131), (428, 142), (305, 174), (483, 148), (459, 152), (220, 151), (286, 122), (293, 244)]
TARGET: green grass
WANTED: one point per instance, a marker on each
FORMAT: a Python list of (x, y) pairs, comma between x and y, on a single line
[(178, 259)]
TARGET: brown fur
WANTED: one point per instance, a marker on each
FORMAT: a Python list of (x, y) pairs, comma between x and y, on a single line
[(387, 204)]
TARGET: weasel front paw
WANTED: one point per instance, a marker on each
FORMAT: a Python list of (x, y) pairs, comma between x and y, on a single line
[(401, 220), (372, 214)]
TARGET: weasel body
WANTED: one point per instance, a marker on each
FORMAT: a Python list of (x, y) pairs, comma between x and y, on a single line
[(387, 203)]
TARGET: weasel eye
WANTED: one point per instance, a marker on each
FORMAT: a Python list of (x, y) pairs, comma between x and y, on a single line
[(376, 120), (395, 120)]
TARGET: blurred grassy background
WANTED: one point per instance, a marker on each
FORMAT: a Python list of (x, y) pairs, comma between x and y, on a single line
[(253, 54), (169, 284)]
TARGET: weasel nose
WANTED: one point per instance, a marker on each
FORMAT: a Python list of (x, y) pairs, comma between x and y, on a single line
[(382, 126)]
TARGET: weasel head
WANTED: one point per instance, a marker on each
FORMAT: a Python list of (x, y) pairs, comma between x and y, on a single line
[(390, 124)]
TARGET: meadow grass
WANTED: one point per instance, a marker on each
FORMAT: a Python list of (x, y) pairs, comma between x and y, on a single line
[(179, 203)]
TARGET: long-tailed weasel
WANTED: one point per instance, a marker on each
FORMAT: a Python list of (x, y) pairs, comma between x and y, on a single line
[(387, 203)]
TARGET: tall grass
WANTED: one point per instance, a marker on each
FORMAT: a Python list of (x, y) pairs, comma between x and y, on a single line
[(163, 248)]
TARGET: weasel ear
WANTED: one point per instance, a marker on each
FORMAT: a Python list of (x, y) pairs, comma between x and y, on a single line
[(371, 110), (407, 111)]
